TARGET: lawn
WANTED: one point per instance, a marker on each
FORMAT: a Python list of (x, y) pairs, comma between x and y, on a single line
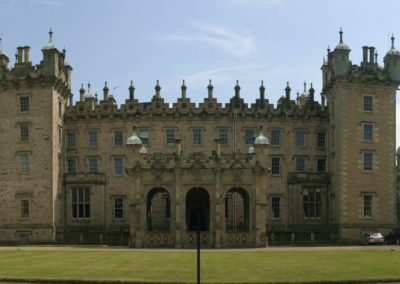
[(217, 267)]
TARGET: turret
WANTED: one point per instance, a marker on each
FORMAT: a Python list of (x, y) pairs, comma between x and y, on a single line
[(392, 63), (50, 63), (340, 58)]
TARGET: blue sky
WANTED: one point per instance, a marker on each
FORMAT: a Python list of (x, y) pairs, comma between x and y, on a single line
[(225, 40)]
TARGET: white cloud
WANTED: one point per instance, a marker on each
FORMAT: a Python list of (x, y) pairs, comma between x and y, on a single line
[(238, 44), (220, 75)]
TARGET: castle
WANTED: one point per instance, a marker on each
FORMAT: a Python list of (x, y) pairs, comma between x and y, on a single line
[(146, 174)]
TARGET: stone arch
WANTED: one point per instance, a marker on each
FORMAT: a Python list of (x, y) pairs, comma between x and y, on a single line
[(158, 209), (237, 210), (197, 202)]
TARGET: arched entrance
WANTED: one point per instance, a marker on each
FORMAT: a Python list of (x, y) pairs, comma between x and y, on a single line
[(197, 200), (158, 209), (237, 210)]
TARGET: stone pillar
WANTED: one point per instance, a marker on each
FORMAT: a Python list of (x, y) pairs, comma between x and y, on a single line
[(178, 221), (260, 210), (219, 211)]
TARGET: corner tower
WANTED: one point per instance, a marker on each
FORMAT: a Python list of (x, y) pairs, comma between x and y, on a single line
[(32, 104), (361, 101)]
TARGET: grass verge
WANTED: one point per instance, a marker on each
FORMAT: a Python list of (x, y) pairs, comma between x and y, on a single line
[(216, 267)]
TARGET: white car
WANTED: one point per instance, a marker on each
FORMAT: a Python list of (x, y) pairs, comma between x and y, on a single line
[(371, 237)]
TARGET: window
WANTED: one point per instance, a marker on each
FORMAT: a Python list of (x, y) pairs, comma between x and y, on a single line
[(312, 204), (118, 166), (71, 141), (223, 136), (24, 129), (367, 103), (196, 136), (144, 136), (93, 165), (24, 104), (249, 136), (300, 164), (367, 132), (25, 208), (118, 138), (170, 136), (321, 165), (118, 208), (275, 205), (275, 166), (300, 138), (321, 140), (71, 166), (368, 159), (80, 203), (275, 137), (93, 138), (367, 200), (24, 162)]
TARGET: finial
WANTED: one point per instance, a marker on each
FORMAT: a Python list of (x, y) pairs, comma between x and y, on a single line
[(82, 86), (237, 82), (262, 83), (392, 38), (311, 86), (131, 91), (16, 57), (341, 35), (210, 81), (376, 56), (305, 86), (132, 83), (157, 83), (64, 50), (95, 95), (105, 84), (50, 35), (88, 87)]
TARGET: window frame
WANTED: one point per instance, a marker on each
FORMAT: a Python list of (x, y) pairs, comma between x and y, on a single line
[(93, 139), (275, 139), (275, 207), (196, 136), (368, 166), (368, 209), (319, 168), (81, 206), (71, 140), (300, 138), (118, 138), (24, 104), (223, 136), (312, 205), (24, 206), (24, 163), (71, 170), (321, 142), (91, 168), (118, 208), (368, 134), (300, 164), (118, 169), (249, 138), (368, 106), (170, 136), (24, 133), (275, 166)]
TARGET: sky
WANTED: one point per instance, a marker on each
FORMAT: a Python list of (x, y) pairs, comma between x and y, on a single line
[(173, 40)]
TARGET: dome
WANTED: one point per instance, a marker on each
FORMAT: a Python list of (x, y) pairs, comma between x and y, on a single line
[(393, 51), (342, 45), (134, 140), (261, 140), (49, 45)]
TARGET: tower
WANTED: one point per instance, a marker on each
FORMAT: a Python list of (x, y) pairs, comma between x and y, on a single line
[(32, 105), (361, 101)]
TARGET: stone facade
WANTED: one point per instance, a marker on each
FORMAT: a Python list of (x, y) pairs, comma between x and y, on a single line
[(148, 173)]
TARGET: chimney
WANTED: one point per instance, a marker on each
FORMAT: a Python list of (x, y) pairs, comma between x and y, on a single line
[(183, 90), (210, 88), (262, 91), (131, 91), (287, 91), (26, 54), (20, 52), (371, 54), (365, 54), (82, 94), (105, 92)]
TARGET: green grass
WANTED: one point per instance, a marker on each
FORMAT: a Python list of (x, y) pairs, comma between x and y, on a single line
[(217, 267)]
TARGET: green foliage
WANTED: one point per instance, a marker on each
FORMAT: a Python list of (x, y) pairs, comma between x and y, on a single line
[(217, 266)]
